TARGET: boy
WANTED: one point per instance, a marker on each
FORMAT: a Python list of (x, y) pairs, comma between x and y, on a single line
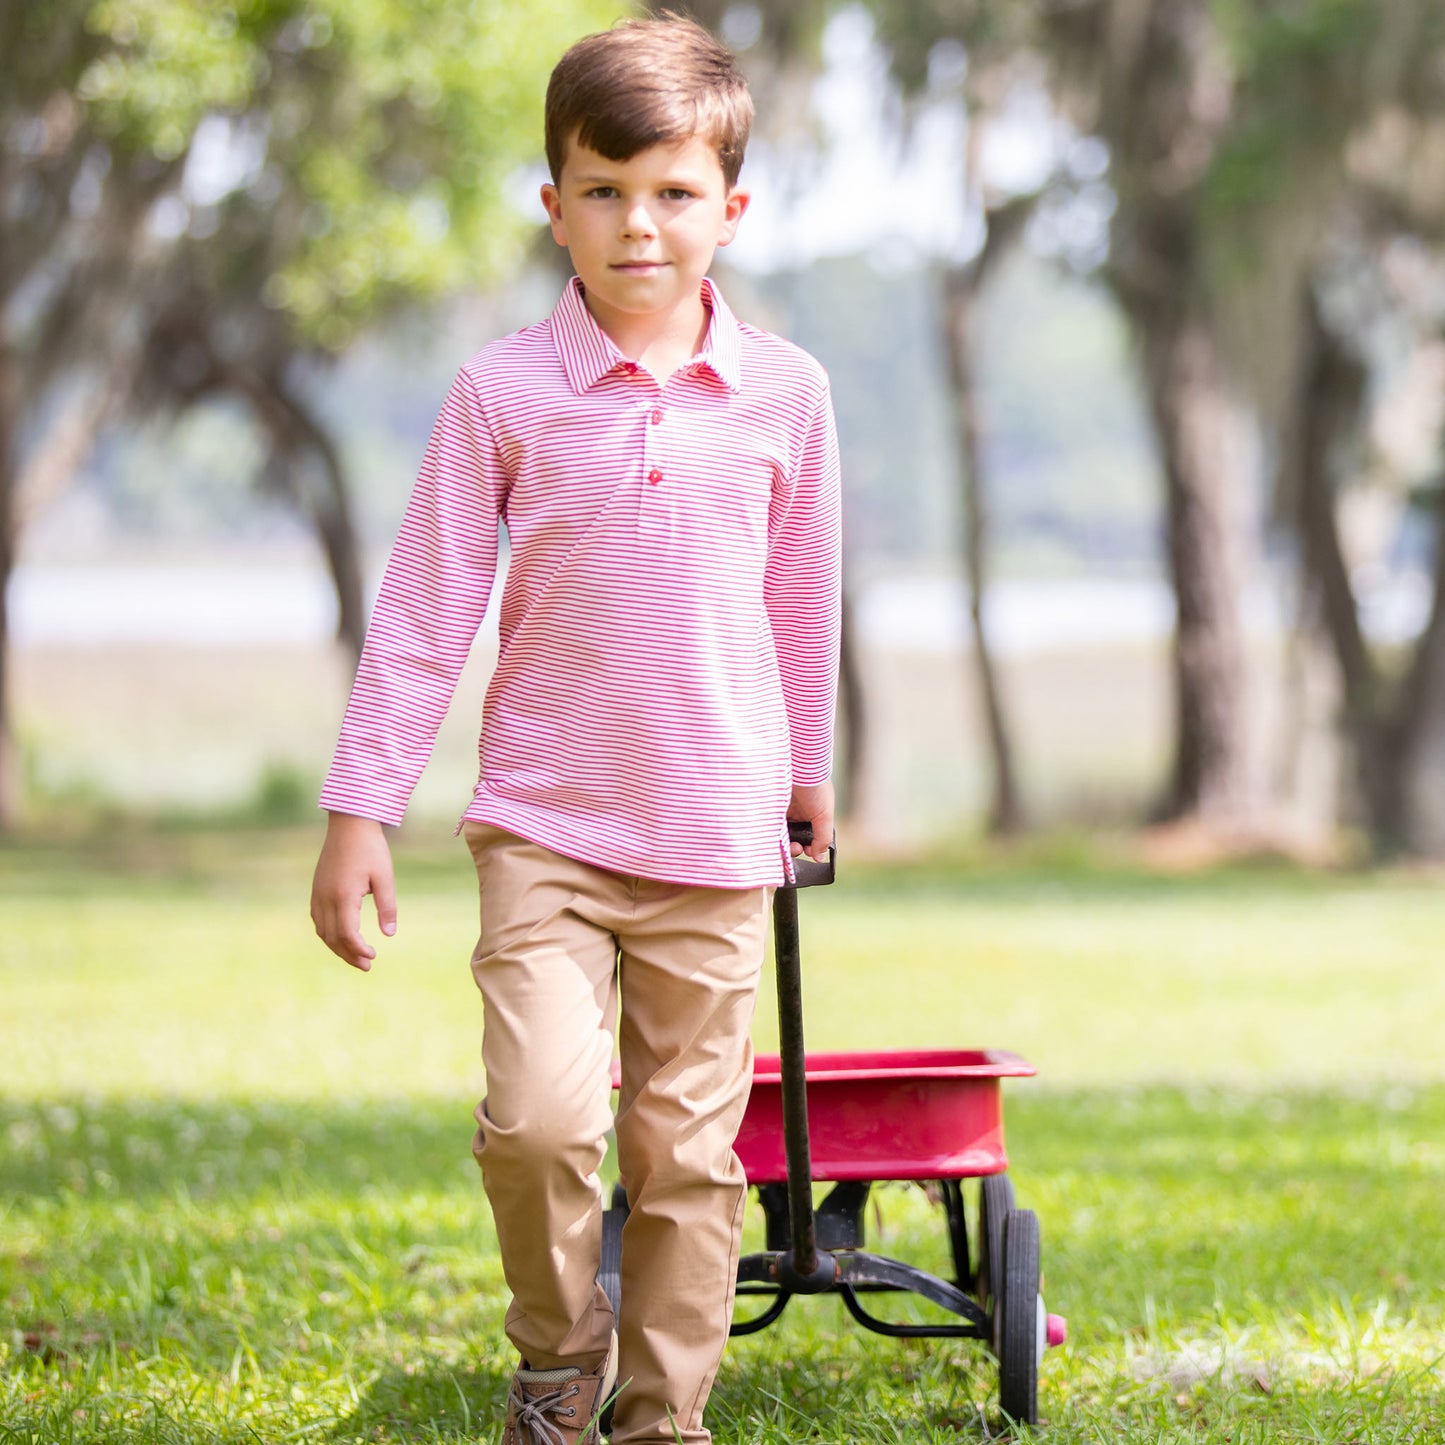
[(662, 703)]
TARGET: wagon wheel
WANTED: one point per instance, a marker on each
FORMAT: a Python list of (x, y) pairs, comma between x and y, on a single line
[(609, 1273), (995, 1201), (1018, 1319)]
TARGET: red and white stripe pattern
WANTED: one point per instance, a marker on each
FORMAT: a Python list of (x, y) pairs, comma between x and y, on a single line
[(669, 624)]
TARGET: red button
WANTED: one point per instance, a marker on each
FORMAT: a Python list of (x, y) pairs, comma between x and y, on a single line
[(654, 476), (656, 417), (630, 367)]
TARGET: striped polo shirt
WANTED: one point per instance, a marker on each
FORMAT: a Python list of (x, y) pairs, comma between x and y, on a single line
[(669, 622)]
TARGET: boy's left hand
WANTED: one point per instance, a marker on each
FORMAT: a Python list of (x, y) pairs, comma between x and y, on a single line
[(813, 804)]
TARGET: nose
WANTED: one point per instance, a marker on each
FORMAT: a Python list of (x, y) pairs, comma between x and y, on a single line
[(637, 223)]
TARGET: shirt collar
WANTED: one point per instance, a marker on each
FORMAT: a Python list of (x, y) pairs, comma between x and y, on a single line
[(588, 353)]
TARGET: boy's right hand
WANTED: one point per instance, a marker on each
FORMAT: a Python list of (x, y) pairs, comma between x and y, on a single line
[(355, 860)]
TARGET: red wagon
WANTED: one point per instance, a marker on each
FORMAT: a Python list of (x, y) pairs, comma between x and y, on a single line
[(896, 1114), (859, 1119)]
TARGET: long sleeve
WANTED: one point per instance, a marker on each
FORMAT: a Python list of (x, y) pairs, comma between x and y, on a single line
[(431, 604), (802, 590)]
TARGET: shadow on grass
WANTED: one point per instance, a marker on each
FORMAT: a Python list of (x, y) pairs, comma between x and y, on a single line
[(147, 1149), (1191, 1202), (144, 1148)]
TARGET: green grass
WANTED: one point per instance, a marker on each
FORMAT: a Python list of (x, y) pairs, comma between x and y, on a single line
[(237, 1201)]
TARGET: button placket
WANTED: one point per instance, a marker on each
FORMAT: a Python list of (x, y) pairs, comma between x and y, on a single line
[(656, 504)]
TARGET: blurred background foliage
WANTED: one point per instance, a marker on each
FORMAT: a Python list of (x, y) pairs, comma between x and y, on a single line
[(1135, 311)]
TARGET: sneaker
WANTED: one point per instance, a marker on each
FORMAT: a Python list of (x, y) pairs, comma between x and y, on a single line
[(559, 1407)]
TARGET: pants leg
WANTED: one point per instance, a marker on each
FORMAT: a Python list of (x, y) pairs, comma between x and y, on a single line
[(690, 961), (545, 964), (555, 935)]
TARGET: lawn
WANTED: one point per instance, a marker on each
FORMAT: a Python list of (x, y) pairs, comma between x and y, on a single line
[(238, 1201)]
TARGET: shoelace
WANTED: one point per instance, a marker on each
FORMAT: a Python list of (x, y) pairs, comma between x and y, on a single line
[(532, 1412)]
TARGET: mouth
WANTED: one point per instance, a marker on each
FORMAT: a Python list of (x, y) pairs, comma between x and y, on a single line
[(637, 268)]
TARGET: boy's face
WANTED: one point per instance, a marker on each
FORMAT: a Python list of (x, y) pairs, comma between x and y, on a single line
[(642, 232)]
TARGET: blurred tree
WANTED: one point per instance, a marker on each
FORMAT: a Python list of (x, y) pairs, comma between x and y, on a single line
[(1156, 93), (1228, 125), (962, 284), (1317, 180), (199, 196), (1393, 697), (1145, 77)]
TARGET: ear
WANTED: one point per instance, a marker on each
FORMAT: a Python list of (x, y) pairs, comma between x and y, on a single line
[(733, 208), (552, 202)]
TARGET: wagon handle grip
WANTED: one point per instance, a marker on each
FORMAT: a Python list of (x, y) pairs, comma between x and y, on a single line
[(810, 872)]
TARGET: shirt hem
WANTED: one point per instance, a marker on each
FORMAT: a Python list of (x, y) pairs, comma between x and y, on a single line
[(525, 824)]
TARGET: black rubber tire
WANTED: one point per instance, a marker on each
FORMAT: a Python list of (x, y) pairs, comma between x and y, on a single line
[(1016, 1319), (995, 1203), (609, 1272)]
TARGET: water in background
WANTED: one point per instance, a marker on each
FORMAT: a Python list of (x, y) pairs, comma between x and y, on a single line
[(230, 604), (250, 604)]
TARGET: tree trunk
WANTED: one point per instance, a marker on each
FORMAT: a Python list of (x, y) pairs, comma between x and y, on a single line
[(1327, 405), (294, 433), (1396, 734), (53, 462), (1005, 814), (1417, 784), (10, 785), (329, 508), (1193, 423)]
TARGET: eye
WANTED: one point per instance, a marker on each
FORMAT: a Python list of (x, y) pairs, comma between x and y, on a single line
[(603, 193), (676, 193)]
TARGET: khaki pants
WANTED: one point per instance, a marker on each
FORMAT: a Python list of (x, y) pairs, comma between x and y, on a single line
[(559, 940)]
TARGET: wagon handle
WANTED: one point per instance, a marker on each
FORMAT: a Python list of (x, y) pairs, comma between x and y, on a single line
[(802, 1269), (809, 872)]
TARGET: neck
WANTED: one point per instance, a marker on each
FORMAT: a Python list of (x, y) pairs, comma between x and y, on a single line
[(662, 342)]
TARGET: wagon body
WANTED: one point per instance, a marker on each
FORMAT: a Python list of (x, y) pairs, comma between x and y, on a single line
[(921, 1114)]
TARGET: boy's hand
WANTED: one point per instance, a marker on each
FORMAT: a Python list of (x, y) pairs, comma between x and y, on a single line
[(813, 804), (354, 861)]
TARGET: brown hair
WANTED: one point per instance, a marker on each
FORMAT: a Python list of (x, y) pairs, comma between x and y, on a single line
[(645, 83)]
